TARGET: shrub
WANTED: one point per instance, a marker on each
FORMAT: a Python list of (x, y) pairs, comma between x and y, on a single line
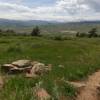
[(59, 38), (81, 35)]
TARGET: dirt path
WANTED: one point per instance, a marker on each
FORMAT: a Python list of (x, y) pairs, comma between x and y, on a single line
[(90, 91)]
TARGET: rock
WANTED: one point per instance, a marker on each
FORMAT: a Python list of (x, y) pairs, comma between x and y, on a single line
[(38, 69), (7, 67), (34, 62), (22, 63), (78, 85), (42, 94), (32, 69), (16, 70), (61, 66)]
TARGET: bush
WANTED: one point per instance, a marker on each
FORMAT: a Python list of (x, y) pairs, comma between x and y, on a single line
[(81, 35), (59, 38)]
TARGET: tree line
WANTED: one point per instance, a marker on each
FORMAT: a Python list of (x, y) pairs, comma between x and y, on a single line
[(90, 34), (36, 32), (11, 32)]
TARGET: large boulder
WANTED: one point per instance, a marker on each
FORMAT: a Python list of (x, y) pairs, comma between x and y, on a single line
[(22, 63)]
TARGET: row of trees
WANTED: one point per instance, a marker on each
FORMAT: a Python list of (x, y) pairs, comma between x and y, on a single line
[(36, 32), (10, 32), (90, 34)]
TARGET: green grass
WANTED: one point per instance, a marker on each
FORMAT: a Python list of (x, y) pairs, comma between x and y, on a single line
[(79, 57)]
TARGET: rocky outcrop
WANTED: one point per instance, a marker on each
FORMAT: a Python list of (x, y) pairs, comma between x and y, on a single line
[(30, 68)]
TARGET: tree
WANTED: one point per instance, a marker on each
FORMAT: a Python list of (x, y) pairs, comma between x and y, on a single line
[(0, 30), (35, 31), (93, 32), (77, 34)]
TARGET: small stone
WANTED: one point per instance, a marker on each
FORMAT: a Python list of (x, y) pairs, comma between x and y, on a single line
[(61, 66), (34, 62)]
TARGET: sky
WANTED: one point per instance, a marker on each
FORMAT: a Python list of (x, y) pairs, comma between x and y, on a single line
[(50, 10)]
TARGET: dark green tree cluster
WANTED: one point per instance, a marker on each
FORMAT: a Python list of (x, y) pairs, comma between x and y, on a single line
[(90, 34), (93, 33), (35, 31)]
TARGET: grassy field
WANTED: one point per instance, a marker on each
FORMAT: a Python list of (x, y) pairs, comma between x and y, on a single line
[(79, 56)]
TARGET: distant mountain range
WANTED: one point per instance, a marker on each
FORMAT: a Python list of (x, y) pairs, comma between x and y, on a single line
[(20, 23)]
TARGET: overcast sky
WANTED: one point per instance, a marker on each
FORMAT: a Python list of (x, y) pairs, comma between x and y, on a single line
[(58, 10)]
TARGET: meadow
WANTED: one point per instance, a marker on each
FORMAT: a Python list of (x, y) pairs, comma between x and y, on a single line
[(72, 60)]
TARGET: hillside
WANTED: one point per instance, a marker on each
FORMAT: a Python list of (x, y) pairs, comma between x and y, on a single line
[(48, 26)]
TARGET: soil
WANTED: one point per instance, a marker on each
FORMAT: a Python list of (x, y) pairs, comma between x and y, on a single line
[(91, 89)]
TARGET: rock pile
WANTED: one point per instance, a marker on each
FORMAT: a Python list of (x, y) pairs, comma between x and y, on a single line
[(30, 68)]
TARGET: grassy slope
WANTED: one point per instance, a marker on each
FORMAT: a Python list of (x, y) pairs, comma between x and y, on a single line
[(79, 57)]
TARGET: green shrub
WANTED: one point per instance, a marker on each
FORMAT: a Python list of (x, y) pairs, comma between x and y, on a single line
[(59, 38), (81, 35)]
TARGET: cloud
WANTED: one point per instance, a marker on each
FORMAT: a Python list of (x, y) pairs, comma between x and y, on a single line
[(62, 10)]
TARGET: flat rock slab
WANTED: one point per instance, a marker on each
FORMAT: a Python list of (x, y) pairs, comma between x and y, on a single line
[(22, 63)]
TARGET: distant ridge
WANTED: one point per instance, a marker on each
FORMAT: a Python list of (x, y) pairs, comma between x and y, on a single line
[(23, 23), (28, 23)]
